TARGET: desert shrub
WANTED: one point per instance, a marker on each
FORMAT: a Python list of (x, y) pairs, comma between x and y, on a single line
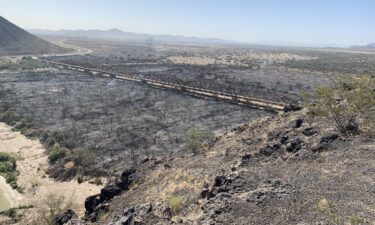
[(327, 208), (79, 180), (176, 203), (53, 205), (6, 157), (12, 213), (348, 103), (55, 154), (8, 169), (26, 63), (97, 181), (196, 139), (11, 179), (9, 117), (82, 157), (5, 167)]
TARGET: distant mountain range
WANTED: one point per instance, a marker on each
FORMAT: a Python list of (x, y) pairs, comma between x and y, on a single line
[(118, 35), (300, 44), (370, 47), (16, 41)]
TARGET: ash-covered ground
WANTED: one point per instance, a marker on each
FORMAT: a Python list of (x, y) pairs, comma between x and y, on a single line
[(116, 120)]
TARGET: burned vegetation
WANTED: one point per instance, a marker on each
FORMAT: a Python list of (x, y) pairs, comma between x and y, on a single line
[(100, 124)]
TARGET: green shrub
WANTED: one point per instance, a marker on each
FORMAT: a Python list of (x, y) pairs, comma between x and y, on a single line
[(176, 203), (55, 154), (26, 63), (8, 169), (197, 138), (5, 157), (82, 157), (98, 181), (11, 179), (5, 167), (9, 117), (80, 180), (348, 103), (326, 207)]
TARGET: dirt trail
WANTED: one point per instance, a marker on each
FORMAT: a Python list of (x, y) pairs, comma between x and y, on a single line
[(32, 166)]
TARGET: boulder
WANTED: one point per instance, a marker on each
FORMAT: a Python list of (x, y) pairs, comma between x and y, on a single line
[(309, 131), (109, 192), (294, 145), (328, 138), (127, 177), (91, 203), (298, 123), (269, 150), (65, 217)]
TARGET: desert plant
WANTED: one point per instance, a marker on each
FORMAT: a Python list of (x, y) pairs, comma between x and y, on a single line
[(8, 169), (55, 154), (327, 208), (52, 206), (176, 203), (197, 138), (349, 103)]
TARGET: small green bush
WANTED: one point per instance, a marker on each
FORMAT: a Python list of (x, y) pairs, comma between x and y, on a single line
[(11, 179), (326, 207), (5, 157), (9, 117), (348, 103), (176, 203), (55, 154), (80, 180), (5, 167), (98, 181), (197, 138)]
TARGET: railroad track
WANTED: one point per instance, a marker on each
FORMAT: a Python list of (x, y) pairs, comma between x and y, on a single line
[(198, 92)]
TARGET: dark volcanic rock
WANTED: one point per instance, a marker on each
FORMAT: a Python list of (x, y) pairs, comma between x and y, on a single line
[(325, 141), (65, 217), (109, 192), (298, 123), (91, 202), (295, 145), (127, 177), (95, 204), (329, 138), (309, 131), (269, 150)]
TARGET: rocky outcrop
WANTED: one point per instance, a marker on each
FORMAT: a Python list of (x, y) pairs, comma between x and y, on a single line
[(95, 205), (269, 172), (65, 217)]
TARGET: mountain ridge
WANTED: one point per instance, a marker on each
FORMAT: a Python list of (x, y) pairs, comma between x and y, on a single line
[(17, 41), (115, 34)]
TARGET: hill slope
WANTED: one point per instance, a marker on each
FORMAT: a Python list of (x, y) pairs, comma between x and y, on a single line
[(289, 169), (16, 41)]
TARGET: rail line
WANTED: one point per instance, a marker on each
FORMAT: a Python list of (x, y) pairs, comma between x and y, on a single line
[(198, 92)]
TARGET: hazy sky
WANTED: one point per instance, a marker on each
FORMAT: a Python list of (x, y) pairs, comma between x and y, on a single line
[(343, 22)]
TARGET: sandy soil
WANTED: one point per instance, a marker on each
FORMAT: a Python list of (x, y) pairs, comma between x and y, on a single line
[(32, 164), (13, 196), (236, 59)]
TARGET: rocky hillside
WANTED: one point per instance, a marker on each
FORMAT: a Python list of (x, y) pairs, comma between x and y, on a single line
[(16, 41), (287, 169)]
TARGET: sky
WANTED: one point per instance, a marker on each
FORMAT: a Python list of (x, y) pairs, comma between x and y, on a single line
[(342, 22)]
